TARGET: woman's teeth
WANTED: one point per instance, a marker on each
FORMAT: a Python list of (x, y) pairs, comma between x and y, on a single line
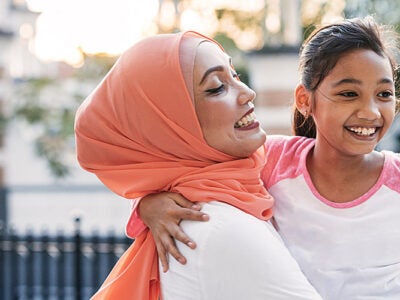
[(363, 130), (246, 120)]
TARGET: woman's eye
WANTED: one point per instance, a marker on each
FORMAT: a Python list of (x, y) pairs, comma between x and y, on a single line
[(236, 75), (216, 90)]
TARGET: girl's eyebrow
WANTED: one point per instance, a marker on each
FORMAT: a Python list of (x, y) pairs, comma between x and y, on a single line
[(346, 80), (356, 81), (386, 80)]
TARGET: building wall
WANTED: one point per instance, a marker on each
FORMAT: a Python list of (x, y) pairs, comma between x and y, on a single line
[(273, 76), (36, 200)]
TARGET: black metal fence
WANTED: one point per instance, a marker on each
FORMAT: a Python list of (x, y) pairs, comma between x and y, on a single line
[(56, 266)]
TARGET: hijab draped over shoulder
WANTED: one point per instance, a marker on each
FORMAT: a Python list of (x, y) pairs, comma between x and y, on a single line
[(138, 132)]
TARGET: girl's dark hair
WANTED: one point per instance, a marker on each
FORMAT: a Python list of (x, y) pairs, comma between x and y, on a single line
[(326, 45)]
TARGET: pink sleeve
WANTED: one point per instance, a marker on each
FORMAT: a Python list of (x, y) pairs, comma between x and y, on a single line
[(283, 156), (392, 176), (273, 146), (135, 225)]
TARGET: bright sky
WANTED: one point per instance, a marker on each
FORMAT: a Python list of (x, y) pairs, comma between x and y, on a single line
[(93, 25), (110, 26)]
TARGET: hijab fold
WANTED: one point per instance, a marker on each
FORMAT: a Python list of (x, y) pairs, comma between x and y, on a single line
[(138, 132)]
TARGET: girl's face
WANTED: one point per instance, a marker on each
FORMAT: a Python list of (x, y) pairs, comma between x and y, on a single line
[(224, 104), (355, 104)]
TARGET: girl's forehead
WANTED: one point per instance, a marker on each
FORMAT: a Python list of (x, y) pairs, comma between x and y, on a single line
[(362, 63)]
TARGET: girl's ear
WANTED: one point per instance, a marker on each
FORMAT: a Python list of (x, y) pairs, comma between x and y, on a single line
[(303, 100)]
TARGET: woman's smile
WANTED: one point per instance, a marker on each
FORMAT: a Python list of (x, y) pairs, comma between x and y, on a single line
[(247, 120)]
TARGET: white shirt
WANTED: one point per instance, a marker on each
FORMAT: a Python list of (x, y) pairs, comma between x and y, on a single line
[(346, 250)]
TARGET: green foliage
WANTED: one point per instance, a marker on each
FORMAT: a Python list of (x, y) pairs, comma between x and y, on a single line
[(49, 105), (243, 20), (384, 11)]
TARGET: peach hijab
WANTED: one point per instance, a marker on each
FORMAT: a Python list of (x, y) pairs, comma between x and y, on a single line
[(138, 132)]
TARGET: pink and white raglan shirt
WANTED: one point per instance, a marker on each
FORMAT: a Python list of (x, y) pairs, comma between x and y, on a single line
[(348, 251)]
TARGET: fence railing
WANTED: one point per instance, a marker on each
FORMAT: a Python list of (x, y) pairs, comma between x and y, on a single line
[(55, 267)]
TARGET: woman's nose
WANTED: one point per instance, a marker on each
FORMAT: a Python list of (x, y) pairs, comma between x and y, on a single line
[(246, 94)]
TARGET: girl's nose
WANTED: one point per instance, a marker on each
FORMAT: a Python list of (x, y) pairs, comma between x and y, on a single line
[(370, 110)]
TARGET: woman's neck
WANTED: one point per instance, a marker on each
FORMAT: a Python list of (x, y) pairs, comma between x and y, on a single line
[(342, 178)]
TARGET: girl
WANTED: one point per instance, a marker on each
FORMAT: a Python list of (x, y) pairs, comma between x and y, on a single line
[(337, 200), (171, 115)]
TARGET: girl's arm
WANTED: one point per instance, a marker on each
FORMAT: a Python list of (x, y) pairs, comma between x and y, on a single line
[(162, 213)]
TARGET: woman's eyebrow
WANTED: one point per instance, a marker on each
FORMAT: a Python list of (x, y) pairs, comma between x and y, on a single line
[(215, 69), (211, 70)]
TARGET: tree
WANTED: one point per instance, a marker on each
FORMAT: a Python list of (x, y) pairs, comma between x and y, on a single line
[(384, 11), (49, 105)]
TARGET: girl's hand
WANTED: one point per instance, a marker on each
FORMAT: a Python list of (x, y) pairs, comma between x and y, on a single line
[(162, 213)]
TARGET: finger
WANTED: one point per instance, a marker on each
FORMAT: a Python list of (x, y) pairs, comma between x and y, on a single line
[(163, 256), (178, 234), (183, 238), (183, 202), (193, 215), (174, 252), (170, 247)]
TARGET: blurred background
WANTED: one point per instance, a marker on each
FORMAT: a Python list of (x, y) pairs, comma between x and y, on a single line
[(54, 52)]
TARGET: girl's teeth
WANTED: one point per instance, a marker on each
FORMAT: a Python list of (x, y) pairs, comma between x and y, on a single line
[(363, 131), (246, 120)]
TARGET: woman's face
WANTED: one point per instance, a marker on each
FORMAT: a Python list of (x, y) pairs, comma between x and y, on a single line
[(224, 104)]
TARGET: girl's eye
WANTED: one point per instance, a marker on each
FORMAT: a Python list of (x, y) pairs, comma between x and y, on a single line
[(387, 95), (348, 94), (216, 90)]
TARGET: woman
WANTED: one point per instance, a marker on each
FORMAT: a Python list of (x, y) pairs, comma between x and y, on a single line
[(172, 115)]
